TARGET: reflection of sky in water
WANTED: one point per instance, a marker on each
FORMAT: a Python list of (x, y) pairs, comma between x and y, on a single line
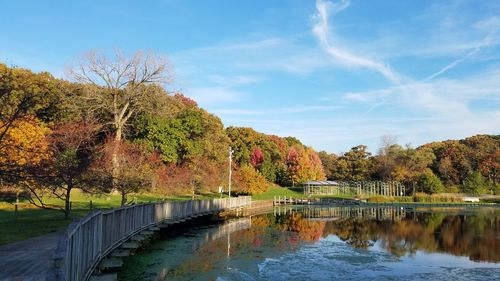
[(260, 252), (332, 259)]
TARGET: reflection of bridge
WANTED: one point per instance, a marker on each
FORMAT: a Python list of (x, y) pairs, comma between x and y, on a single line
[(95, 239), (346, 212), (389, 188), (223, 230)]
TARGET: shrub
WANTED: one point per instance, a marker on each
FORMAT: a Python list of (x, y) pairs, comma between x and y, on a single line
[(249, 181), (431, 183)]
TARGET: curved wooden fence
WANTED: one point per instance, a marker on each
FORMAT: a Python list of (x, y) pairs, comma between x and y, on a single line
[(96, 235)]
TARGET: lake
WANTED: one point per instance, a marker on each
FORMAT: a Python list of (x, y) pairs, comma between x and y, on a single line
[(328, 243)]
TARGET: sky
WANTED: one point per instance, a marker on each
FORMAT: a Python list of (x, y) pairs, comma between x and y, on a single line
[(334, 74)]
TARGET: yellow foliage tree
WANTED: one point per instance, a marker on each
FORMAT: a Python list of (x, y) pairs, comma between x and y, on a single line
[(24, 144), (248, 180)]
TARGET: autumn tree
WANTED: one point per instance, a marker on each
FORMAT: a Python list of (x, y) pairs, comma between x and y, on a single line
[(24, 93), (70, 146), (172, 179), (135, 170), (256, 158), (411, 164), (303, 164), (24, 146), (248, 180)]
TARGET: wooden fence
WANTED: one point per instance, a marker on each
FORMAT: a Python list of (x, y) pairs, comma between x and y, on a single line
[(366, 188), (346, 212), (95, 236)]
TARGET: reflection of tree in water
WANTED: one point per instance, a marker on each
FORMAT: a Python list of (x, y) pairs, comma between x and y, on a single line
[(307, 230), (265, 238), (271, 236), (472, 236)]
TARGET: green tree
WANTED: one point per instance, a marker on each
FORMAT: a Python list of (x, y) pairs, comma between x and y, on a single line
[(268, 170), (431, 183), (358, 163), (474, 183), (328, 160)]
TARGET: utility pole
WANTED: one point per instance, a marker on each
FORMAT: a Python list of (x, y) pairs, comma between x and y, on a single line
[(230, 172)]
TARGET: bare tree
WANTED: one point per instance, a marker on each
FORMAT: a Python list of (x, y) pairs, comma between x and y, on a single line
[(385, 159), (386, 141), (118, 84), (118, 87)]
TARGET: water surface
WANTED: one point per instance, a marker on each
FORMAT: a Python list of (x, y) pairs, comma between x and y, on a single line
[(344, 243)]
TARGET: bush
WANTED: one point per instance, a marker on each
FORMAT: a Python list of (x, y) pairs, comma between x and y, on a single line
[(431, 183), (249, 181), (436, 198)]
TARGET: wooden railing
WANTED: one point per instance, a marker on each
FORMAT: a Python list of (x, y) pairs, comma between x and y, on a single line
[(97, 234), (366, 188)]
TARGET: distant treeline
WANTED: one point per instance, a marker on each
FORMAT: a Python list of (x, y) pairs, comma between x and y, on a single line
[(471, 165), (114, 128)]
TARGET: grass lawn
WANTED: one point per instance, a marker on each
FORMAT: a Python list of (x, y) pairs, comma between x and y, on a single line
[(296, 192), (30, 221), (279, 191)]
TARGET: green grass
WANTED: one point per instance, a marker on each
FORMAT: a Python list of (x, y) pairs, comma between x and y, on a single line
[(30, 221), (296, 192), (278, 191)]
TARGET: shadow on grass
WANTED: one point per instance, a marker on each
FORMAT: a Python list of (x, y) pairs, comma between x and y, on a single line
[(28, 222)]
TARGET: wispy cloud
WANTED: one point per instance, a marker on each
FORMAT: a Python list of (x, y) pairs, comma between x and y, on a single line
[(446, 98), (322, 32), (277, 111)]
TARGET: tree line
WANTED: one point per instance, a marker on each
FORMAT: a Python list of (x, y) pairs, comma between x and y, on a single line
[(114, 128), (470, 165)]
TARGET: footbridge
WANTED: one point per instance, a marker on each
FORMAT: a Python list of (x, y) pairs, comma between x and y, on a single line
[(103, 234)]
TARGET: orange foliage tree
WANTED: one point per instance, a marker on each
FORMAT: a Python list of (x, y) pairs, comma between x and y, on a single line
[(248, 180), (303, 164)]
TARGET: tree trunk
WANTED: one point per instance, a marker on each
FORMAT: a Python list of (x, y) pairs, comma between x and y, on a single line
[(114, 158), (67, 203), (124, 198)]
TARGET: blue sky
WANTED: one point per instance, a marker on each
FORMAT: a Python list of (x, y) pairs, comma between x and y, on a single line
[(335, 74)]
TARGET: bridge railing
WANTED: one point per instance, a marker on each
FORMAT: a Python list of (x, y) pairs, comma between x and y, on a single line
[(96, 235)]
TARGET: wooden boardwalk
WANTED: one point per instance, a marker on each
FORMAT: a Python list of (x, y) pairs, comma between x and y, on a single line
[(30, 260), (75, 254), (92, 241)]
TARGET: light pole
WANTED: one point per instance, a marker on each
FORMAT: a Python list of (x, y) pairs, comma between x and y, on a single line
[(230, 172)]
